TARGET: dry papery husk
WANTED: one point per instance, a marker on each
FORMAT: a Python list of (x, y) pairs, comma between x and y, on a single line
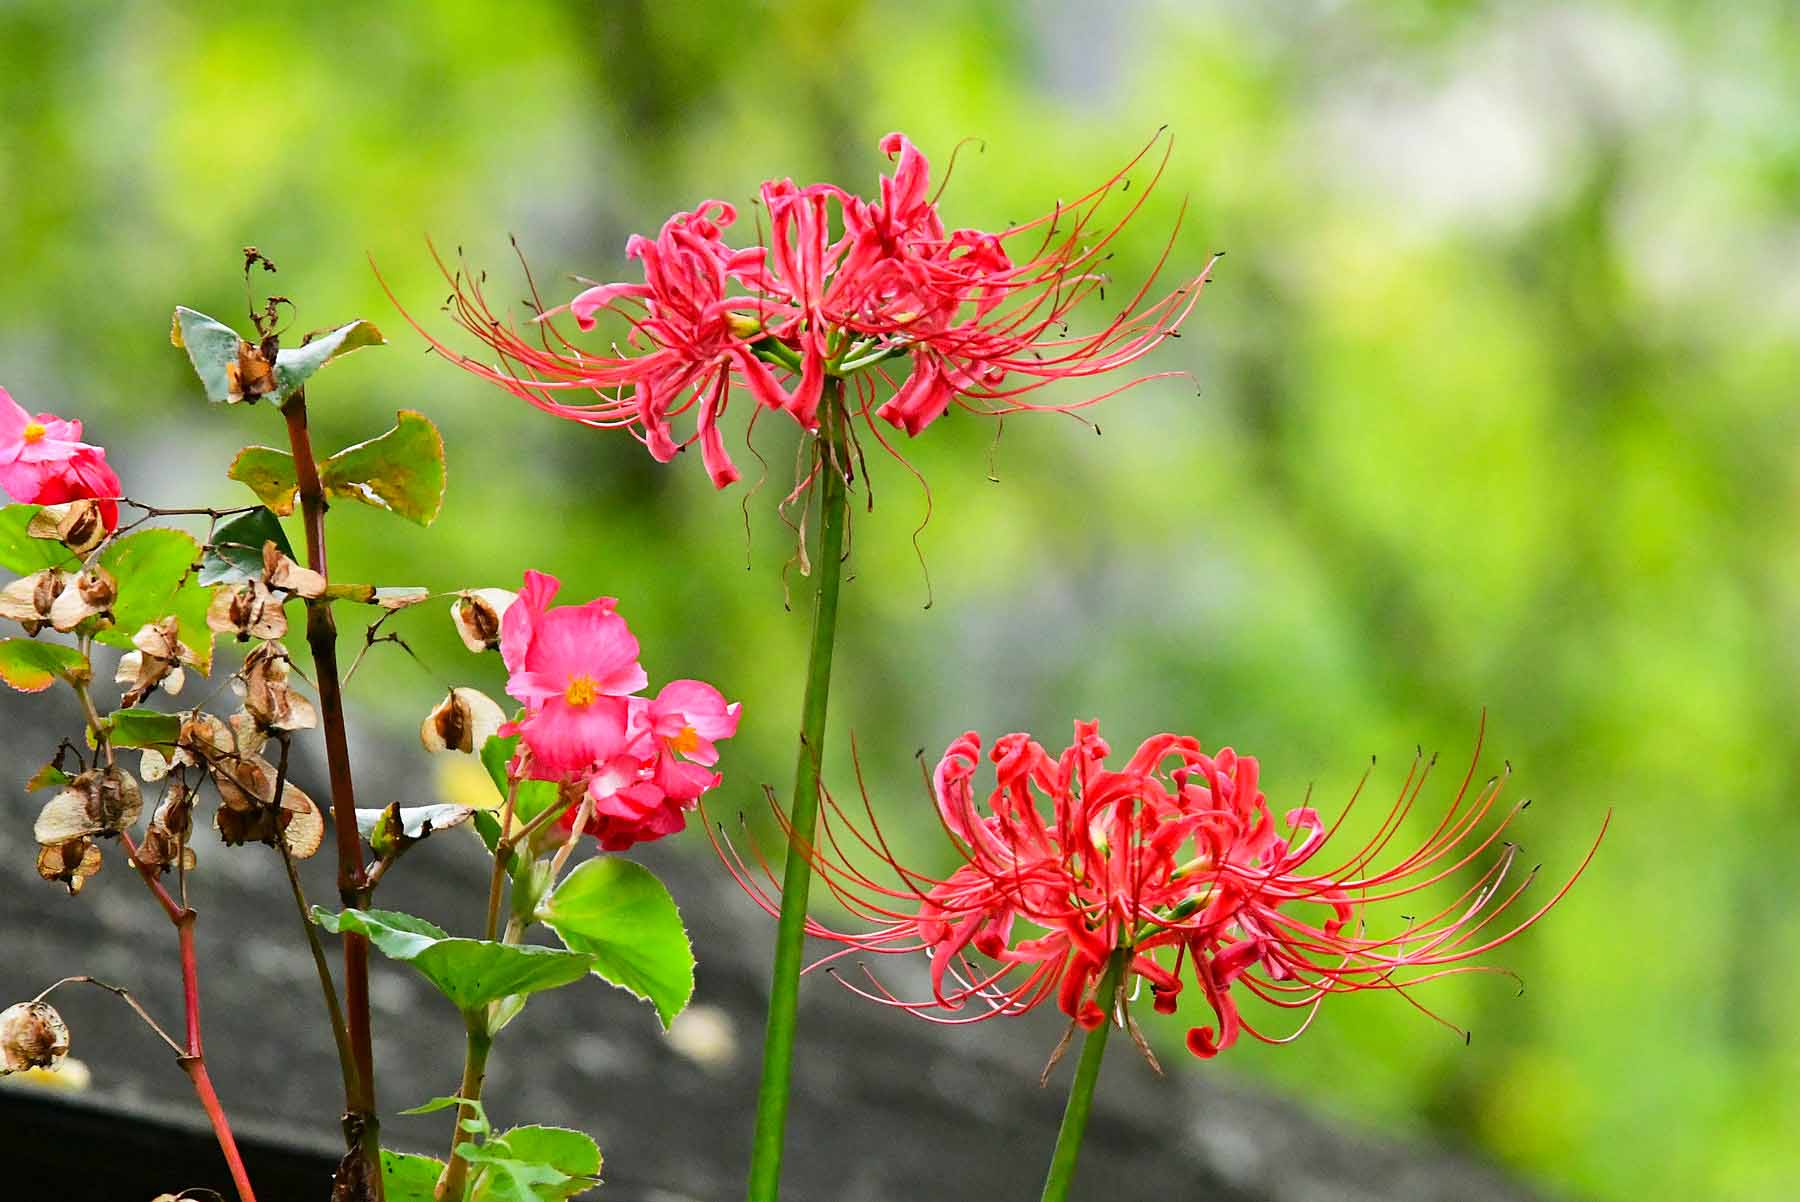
[(28, 599), (477, 612), (88, 593), (249, 611), (77, 525), (32, 1035), (247, 812), (463, 721), (268, 699)]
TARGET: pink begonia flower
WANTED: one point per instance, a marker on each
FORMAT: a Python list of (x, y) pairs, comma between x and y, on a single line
[(1175, 860), (44, 462), (845, 288), (642, 762)]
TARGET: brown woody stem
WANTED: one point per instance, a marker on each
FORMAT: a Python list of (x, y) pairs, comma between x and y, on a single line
[(321, 637)]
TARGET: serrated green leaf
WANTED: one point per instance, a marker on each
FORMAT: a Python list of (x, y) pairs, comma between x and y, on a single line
[(401, 471), (619, 913), (24, 554), (140, 727), (470, 972), (31, 667), (570, 1152), (409, 1178), (236, 551), (293, 366), (533, 1164), (270, 474), (212, 347), (152, 571)]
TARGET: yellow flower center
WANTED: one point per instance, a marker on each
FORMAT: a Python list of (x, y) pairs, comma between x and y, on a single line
[(34, 431), (685, 742), (581, 691)]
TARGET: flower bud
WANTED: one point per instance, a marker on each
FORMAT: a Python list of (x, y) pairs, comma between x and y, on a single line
[(32, 1035)]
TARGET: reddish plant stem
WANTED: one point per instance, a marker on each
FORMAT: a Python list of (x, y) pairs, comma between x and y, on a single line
[(193, 1057), (195, 1068), (321, 637)]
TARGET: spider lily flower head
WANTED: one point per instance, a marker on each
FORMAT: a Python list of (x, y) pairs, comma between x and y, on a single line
[(1174, 864), (639, 762), (44, 462), (844, 288)]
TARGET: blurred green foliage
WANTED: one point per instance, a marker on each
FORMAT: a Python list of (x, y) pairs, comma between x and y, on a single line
[(1495, 408)]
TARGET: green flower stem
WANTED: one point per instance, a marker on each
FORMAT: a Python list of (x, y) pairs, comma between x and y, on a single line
[(784, 991), (451, 1184), (1081, 1090)]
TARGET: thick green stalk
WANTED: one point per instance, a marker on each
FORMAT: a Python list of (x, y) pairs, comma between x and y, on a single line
[(1081, 1090), (784, 991)]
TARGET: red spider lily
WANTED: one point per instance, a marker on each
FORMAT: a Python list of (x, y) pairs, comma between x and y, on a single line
[(844, 288), (1176, 861)]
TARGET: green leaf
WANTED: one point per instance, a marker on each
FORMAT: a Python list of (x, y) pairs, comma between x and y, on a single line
[(570, 1152), (140, 727), (270, 474), (212, 348), (619, 913), (534, 796), (445, 1102), (533, 1164), (409, 1178), (235, 553), (24, 554), (293, 366), (46, 776), (401, 471), (31, 667), (470, 972), (152, 570)]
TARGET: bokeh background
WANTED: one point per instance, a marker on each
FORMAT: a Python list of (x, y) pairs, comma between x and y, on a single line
[(1495, 408)]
